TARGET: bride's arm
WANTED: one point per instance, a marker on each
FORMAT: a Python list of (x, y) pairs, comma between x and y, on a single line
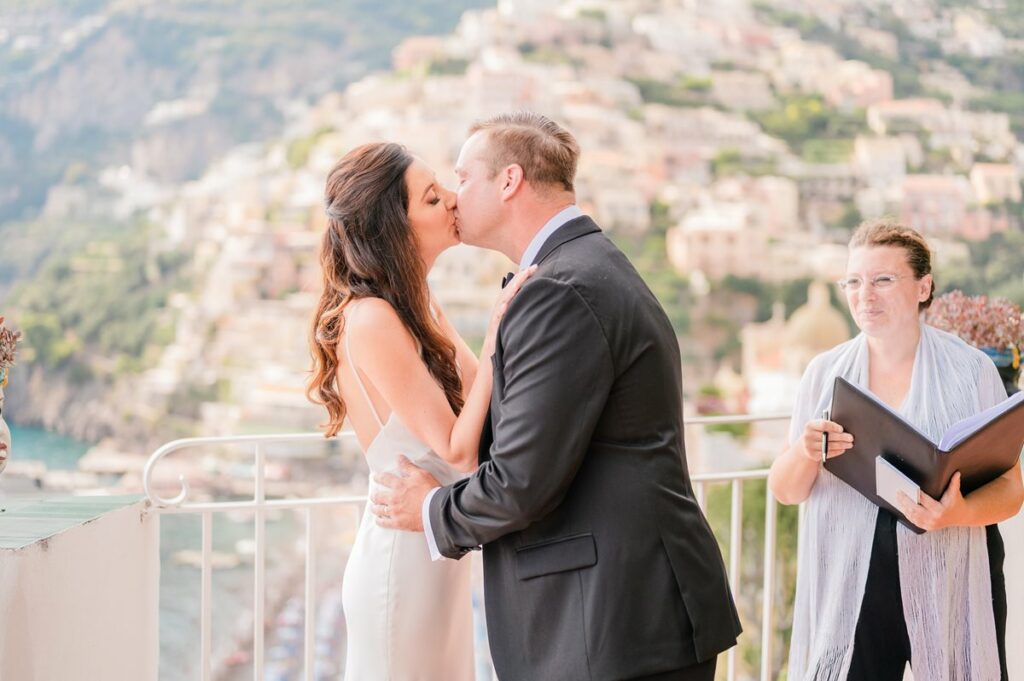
[(386, 352)]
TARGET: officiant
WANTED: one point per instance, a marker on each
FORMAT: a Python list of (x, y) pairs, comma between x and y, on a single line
[(871, 595)]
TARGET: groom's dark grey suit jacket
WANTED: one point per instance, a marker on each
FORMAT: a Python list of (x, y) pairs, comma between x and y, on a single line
[(598, 563)]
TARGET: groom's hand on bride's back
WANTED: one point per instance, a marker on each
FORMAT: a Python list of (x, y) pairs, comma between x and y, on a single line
[(398, 504)]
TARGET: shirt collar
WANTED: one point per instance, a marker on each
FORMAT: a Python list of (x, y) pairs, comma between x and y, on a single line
[(560, 218)]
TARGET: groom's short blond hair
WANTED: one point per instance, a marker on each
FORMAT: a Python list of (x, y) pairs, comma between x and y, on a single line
[(547, 152)]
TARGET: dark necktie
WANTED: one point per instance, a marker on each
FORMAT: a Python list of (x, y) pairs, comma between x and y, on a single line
[(507, 278)]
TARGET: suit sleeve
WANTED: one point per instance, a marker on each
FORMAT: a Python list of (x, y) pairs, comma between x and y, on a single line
[(557, 371)]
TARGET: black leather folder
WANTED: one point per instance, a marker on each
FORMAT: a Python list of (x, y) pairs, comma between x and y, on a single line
[(879, 431)]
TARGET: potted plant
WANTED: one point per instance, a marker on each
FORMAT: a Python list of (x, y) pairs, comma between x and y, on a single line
[(8, 344), (993, 325)]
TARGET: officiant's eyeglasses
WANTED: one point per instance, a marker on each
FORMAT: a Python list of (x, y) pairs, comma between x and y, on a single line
[(880, 283)]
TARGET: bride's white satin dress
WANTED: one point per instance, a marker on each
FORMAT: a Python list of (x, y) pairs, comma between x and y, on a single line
[(408, 618)]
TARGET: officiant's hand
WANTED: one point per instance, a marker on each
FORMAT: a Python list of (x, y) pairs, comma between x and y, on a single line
[(814, 432), (399, 506), (929, 514)]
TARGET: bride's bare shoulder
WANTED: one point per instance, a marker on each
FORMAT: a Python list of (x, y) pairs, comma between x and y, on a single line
[(368, 311), (374, 323)]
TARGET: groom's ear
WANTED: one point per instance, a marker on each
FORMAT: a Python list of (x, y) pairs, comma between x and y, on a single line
[(513, 180)]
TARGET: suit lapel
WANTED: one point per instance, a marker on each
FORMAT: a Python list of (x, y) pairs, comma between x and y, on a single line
[(571, 230)]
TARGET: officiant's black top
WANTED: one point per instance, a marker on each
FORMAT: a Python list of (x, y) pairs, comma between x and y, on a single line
[(881, 644), (599, 564)]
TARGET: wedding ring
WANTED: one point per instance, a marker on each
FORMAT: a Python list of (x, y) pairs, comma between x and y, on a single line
[(386, 514)]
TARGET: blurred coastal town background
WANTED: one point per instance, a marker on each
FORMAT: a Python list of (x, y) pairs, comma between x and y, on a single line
[(162, 168)]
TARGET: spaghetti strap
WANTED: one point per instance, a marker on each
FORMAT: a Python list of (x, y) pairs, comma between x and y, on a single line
[(355, 370)]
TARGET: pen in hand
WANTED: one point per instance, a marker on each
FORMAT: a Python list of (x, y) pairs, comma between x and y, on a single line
[(824, 438)]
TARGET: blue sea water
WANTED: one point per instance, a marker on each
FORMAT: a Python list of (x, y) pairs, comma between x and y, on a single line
[(56, 451)]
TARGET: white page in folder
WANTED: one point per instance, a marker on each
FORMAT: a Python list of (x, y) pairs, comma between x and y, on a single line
[(889, 480), (961, 430)]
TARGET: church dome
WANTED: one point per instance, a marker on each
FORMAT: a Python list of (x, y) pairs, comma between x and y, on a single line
[(816, 326)]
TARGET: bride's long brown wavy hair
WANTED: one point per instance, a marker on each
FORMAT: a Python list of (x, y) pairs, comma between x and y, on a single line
[(369, 250)]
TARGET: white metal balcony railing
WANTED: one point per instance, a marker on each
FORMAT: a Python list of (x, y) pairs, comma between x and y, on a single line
[(259, 505)]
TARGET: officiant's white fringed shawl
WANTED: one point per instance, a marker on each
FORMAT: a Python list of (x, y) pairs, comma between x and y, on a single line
[(944, 575)]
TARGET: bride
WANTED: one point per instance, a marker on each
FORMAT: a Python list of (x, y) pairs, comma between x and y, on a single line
[(385, 356)]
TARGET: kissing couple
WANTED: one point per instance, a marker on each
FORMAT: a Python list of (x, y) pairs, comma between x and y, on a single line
[(558, 450)]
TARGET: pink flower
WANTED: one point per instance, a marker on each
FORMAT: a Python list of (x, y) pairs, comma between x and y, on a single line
[(982, 322), (8, 344)]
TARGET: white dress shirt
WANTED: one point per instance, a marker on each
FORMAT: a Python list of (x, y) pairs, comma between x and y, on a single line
[(539, 239)]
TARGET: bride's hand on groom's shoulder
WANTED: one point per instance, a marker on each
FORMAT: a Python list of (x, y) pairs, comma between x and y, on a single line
[(501, 305), (398, 504)]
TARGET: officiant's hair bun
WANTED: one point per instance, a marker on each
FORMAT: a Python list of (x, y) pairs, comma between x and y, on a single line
[(888, 232)]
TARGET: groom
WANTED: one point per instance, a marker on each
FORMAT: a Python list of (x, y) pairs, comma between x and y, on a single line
[(598, 563)]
